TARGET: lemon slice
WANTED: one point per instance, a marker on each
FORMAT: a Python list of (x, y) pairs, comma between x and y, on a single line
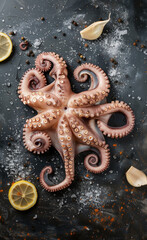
[(22, 195), (5, 46)]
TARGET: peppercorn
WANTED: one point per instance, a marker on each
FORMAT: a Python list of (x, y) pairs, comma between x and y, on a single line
[(27, 62), (55, 37), (11, 33), (25, 165), (134, 44), (86, 45), (22, 38), (79, 61), (64, 34), (112, 60), (42, 18), (120, 20), (142, 46), (74, 23)]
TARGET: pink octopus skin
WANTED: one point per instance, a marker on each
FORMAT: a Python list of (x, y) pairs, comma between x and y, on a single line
[(67, 120)]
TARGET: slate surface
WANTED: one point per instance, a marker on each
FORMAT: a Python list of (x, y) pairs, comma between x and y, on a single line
[(100, 206)]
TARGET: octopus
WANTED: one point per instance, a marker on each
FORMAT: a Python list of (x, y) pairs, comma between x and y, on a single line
[(71, 122)]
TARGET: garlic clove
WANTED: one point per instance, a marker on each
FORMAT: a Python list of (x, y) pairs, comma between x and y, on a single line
[(136, 177), (95, 30)]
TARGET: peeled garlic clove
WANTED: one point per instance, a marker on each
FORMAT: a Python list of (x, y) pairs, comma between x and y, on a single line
[(95, 30), (136, 177)]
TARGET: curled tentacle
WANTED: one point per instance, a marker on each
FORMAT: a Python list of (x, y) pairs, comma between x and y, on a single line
[(32, 80), (36, 142), (103, 113), (66, 149), (91, 162), (85, 136), (106, 112), (46, 184), (98, 90), (91, 159), (24, 45), (59, 72), (42, 63), (44, 60)]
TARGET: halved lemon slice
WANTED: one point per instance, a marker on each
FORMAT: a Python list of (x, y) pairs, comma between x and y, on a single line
[(5, 46), (22, 195)]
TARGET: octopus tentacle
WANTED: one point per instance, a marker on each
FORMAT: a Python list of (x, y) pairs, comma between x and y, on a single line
[(44, 60), (98, 90), (91, 160), (110, 108), (40, 100), (32, 80), (104, 112), (58, 72), (44, 120), (66, 150), (37, 141), (85, 135)]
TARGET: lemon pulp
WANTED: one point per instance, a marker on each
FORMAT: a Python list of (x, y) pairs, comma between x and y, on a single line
[(5, 46), (22, 195)]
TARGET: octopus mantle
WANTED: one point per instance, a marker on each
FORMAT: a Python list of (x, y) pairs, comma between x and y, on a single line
[(71, 122)]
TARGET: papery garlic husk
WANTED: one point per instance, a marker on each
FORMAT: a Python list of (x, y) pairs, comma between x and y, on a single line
[(95, 30), (135, 177)]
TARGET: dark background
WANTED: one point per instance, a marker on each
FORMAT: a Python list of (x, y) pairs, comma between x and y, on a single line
[(100, 206)]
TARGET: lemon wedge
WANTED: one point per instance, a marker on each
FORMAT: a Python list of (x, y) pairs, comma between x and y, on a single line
[(22, 195), (5, 46)]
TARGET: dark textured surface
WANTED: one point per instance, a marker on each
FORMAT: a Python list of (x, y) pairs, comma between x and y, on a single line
[(100, 206)]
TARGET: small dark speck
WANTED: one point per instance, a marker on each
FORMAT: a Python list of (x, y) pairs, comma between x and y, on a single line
[(11, 33), (120, 20), (33, 228), (116, 82), (42, 18), (27, 62), (79, 61), (64, 34), (55, 37), (127, 76), (74, 23), (25, 165)]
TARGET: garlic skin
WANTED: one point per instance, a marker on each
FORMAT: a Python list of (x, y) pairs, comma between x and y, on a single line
[(135, 177), (95, 30)]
